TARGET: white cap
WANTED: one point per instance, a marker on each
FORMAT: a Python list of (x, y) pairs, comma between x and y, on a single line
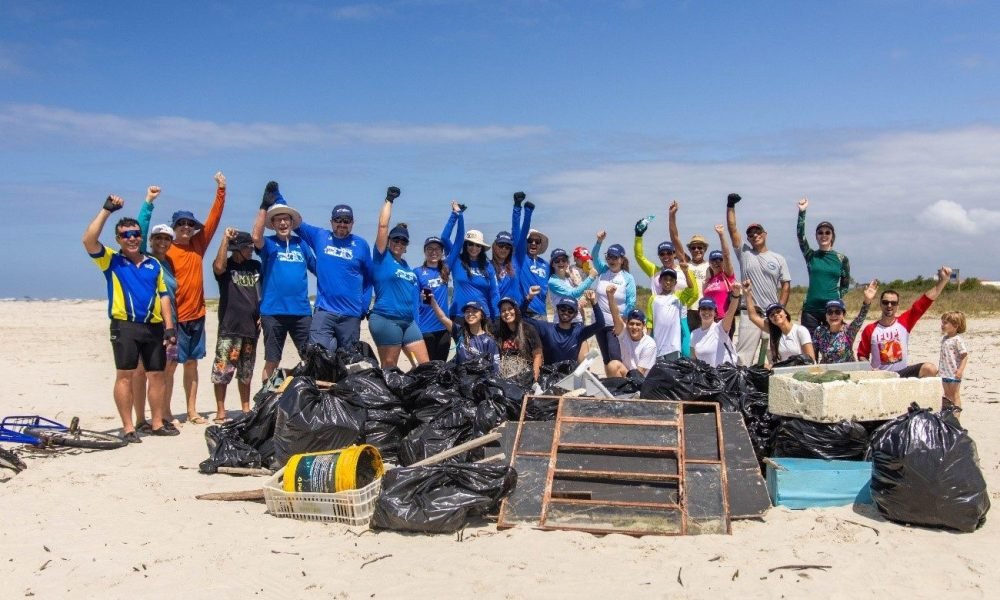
[(162, 228)]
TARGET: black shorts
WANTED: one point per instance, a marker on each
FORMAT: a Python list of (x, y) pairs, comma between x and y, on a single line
[(608, 342), (278, 327), (438, 344), (910, 371), (131, 341)]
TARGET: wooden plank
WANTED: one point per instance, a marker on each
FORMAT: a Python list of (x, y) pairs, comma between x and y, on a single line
[(745, 486)]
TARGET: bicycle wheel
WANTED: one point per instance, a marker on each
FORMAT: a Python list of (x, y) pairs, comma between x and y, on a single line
[(9, 460), (81, 438)]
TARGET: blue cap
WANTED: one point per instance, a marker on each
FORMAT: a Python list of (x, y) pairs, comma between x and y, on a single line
[(715, 255), (567, 303), (670, 272), (475, 305), (399, 232), (507, 299), (772, 308), (836, 304), (558, 253), (707, 303), (433, 240), (183, 214), (504, 238), (616, 250), (665, 247), (636, 315), (340, 211)]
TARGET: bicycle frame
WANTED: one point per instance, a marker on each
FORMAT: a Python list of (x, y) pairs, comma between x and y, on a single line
[(12, 428)]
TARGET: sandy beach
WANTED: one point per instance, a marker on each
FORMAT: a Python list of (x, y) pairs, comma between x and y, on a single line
[(125, 523)]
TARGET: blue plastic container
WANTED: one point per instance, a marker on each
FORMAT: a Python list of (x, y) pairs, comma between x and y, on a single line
[(813, 482)]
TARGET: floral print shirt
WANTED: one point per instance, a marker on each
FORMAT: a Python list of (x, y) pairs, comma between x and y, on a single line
[(839, 347)]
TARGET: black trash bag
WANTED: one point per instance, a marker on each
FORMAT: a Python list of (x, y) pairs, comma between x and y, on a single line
[(226, 449), (431, 401), (310, 420), (317, 363), (925, 471), (682, 379), (505, 393), (452, 426), (799, 360), (798, 438), (385, 428), (470, 372), (549, 376), (368, 389), (426, 374), (760, 423), (440, 498), (397, 381), (541, 410), (359, 352), (629, 385)]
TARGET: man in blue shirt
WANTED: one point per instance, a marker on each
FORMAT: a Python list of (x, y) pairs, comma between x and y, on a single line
[(532, 269), (561, 340), (285, 259), (343, 280)]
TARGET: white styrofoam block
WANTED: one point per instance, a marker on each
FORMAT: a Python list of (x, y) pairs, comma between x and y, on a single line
[(867, 396)]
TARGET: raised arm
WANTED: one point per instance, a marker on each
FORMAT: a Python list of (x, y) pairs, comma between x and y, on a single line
[(757, 320), (618, 324), (640, 255), (598, 323), (943, 275), (146, 216), (869, 294), (800, 229), (727, 261), (675, 236), (384, 215), (456, 248), (734, 232), (441, 317), (449, 226), (215, 213), (270, 198), (562, 287), (515, 217), (595, 252), (90, 236), (734, 305), (221, 258), (521, 241)]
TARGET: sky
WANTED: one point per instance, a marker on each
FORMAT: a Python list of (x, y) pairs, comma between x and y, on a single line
[(884, 113)]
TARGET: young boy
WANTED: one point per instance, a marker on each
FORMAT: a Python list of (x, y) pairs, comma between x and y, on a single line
[(239, 313), (638, 350), (668, 310), (954, 358)]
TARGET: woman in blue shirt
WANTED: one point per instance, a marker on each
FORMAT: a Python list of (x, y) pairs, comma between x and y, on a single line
[(472, 274), (434, 275), (472, 334), (392, 322)]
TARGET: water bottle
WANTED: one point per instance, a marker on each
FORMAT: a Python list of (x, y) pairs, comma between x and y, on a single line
[(643, 224)]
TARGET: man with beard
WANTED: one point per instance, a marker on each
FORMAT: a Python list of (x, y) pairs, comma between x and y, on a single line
[(561, 340)]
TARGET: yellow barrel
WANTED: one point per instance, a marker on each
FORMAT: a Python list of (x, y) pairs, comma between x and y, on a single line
[(333, 470)]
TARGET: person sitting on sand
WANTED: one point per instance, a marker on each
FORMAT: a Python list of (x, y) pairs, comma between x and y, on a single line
[(886, 342)]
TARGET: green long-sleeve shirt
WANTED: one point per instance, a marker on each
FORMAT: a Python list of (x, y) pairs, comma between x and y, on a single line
[(829, 272)]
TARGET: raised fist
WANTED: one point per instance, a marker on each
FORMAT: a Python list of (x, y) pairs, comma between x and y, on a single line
[(152, 192), (270, 195), (732, 200), (803, 204), (518, 198), (113, 203), (392, 193), (220, 179), (529, 205)]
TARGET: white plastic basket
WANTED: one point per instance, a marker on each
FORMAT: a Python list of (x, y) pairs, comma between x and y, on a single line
[(351, 507)]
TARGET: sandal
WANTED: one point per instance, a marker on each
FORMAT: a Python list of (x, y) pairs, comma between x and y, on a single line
[(197, 420), (143, 427), (220, 420)]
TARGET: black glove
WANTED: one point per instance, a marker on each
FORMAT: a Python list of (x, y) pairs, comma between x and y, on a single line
[(529, 205), (111, 206), (462, 207), (732, 199), (391, 194), (270, 195), (518, 198), (640, 227), (170, 335)]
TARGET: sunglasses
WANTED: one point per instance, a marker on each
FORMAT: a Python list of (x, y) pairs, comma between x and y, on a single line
[(400, 241), (343, 221), (609, 257), (561, 259), (565, 309), (890, 302), (697, 248), (667, 253), (824, 232), (534, 241), (185, 223), (715, 260), (755, 233), (834, 311), (130, 234)]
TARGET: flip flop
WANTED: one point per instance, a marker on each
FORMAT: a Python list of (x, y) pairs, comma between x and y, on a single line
[(219, 421), (197, 420)]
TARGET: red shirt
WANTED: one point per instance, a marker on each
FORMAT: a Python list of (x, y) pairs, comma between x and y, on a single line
[(892, 342)]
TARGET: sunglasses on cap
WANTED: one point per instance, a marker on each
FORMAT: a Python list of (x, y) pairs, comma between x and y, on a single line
[(185, 223), (130, 234)]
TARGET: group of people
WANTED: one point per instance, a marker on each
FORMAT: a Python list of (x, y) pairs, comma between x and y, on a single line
[(488, 300)]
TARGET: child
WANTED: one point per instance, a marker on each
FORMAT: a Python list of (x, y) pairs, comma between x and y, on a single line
[(638, 350), (239, 313), (954, 357)]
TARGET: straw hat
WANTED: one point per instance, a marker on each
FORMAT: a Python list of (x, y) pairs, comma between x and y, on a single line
[(283, 209), (476, 237)]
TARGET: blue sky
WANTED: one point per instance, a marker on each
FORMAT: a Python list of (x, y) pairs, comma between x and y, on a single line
[(886, 114)]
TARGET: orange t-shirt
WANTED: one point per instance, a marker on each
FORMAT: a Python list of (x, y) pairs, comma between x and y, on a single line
[(188, 267)]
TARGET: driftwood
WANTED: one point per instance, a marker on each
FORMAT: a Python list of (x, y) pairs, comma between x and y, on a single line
[(459, 449), (245, 495), (245, 471)]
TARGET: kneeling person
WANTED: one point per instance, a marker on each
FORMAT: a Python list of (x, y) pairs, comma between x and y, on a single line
[(637, 348)]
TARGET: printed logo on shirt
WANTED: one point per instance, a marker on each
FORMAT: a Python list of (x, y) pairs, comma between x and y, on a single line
[(148, 265), (345, 253), (772, 266), (245, 278), (890, 347), (434, 282), (406, 275), (539, 270), (290, 256)]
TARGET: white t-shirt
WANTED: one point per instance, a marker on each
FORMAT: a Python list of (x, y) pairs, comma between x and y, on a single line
[(700, 273), (713, 345), (791, 343), (607, 278), (667, 314), (637, 355)]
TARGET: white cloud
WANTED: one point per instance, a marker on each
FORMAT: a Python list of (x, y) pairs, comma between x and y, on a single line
[(185, 134)]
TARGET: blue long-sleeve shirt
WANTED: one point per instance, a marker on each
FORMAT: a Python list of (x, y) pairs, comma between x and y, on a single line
[(476, 283), (343, 271), (144, 218), (531, 271), (560, 344)]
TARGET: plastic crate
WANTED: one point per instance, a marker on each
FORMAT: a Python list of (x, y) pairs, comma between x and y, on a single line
[(351, 507)]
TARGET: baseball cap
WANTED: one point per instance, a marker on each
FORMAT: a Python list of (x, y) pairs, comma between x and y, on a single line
[(707, 303), (772, 308), (475, 305), (340, 211), (755, 226), (433, 240), (509, 300), (162, 229), (399, 232), (558, 253), (715, 255), (616, 250), (665, 247), (566, 303), (835, 304), (636, 315), (240, 241), (504, 238), (667, 272)]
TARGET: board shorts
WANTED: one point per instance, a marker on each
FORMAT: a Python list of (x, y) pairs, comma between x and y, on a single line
[(234, 355), (191, 340)]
